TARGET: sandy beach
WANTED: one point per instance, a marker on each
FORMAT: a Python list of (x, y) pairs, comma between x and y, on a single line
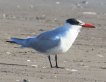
[(84, 62)]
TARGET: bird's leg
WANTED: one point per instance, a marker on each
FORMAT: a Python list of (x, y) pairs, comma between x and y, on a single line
[(56, 61), (50, 61)]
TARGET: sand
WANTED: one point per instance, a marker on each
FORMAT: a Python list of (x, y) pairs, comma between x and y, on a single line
[(84, 62)]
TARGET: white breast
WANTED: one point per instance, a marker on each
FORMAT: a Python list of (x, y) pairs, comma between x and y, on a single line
[(68, 40)]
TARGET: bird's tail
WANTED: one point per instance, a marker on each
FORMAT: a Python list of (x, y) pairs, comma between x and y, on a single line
[(17, 41)]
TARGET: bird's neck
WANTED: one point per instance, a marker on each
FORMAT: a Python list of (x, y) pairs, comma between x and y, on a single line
[(67, 25), (70, 34), (72, 27)]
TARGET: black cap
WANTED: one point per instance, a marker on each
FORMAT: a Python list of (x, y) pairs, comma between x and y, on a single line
[(73, 21)]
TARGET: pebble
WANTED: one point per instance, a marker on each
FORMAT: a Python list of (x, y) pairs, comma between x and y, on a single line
[(55, 19), (41, 29), (4, 15), (34, 66), (79, 5), (55, 76), (14, 17), (8, 53), (26, 80), (84, 2), (44, 67), (28, 60), (57, 2), (17, 80)]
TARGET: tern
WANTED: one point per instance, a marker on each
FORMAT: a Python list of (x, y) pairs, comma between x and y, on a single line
[(55, 41)]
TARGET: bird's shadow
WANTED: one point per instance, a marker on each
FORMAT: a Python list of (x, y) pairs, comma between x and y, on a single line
[(58, 67)]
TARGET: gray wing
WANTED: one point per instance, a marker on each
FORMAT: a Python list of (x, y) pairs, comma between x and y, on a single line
[(45, 41), (45, 45)]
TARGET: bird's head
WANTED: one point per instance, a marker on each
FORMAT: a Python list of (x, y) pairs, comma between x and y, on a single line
[(74, 21)]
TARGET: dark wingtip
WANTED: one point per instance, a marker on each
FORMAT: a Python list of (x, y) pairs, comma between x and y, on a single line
[(10, 41)]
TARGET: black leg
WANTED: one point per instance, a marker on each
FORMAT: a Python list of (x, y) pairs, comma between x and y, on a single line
[(50, 61), (56, 61)]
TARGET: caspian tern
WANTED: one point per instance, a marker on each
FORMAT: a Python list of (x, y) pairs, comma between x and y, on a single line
[(55, 41)]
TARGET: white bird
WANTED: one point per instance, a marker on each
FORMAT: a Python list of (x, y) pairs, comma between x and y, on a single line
[(55, 41)]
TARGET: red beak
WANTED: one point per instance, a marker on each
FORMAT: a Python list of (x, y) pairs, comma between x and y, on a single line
[(88, 25)]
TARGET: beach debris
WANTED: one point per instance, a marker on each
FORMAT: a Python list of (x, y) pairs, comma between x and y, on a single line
[(89, 13), (18, 6), (8, 53), (28, 60), (55, 76), (99, 55), (17, 80), (24, 80), (65, 61), (4, 15), (44, 67), (41, 30), (57, 2), (102, 67), (82, 64), (35, 66), (84, 2), (73, 70), (41, 17), (79, 5), (31, 6), (8, 16), (55, 20)]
